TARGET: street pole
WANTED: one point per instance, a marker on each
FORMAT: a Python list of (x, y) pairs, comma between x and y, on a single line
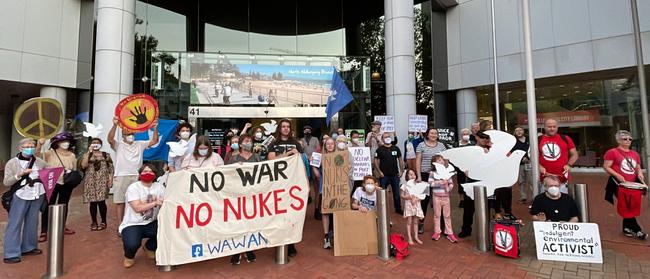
[(530, 98), (642, 88), (496, 75)]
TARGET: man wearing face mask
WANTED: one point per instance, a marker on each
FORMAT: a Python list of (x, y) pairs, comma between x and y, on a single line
[(310, 145), (355, 140), (553, 205), (464, 138), (387, 158), (128, 159)]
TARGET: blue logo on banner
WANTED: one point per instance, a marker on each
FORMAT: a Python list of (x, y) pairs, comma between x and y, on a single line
[(197, 250)]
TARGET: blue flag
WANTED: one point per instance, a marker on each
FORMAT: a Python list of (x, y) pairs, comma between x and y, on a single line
[(166, 132), (339, 97)]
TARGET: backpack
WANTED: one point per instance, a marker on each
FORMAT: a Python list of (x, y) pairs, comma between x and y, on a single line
[(399, 247), (8, 196), (563, 137)]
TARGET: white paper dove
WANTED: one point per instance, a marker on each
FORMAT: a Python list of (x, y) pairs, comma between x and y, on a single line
[(443, 172), (182, 147), (92, 131), (494, 169), (419, 190), (270, 127)]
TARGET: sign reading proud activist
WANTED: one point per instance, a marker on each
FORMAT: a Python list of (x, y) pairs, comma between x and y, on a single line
[(417, 123), (336, 191), (387, 123), (216, 212), (570, 242), (361, 159)]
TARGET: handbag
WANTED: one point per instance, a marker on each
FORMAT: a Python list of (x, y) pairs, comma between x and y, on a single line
[(71, 177), (8, 196)]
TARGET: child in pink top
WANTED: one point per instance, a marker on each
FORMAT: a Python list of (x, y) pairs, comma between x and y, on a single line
[(440, 189)]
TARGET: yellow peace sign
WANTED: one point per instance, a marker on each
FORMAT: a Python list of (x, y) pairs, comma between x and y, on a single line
[(39, 118)]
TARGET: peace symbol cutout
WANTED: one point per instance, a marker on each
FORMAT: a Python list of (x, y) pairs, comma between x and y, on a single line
[(39, 118), (137, 112)]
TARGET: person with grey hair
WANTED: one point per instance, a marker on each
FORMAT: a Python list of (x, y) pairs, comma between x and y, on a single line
[(27, 196), (553, 205), (464, 137), (624, 165), (474, 127)]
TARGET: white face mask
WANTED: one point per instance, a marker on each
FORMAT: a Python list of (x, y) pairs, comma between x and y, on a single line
[(64, 145), (203, 152), (355, 140), (95, 146), (185, 135), (388, 140), (369, 187), (553, 191), (129, 138), (258, 135), (341, 145), (466, 137)]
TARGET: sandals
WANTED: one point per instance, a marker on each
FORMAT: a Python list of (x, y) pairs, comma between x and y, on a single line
[(42, 237), (101, 227), (93, 227)]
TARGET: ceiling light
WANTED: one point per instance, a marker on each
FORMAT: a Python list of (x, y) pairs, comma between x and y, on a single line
[(561, 86), (251, 56), (577, 91), (589, 92), (565, 95), (576, 87), (541, 97), (508, 92)]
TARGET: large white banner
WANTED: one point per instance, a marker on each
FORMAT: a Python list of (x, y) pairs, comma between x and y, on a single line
[(570, 242), (215, 212)]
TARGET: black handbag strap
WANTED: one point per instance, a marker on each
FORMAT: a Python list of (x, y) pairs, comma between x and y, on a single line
[(57, 155)]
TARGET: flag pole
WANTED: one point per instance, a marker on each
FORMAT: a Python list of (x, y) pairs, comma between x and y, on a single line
[(496, 75), (642, 86), (530, 97)]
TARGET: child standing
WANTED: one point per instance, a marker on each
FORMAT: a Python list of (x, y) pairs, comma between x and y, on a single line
[(440, 188), (412, 208)]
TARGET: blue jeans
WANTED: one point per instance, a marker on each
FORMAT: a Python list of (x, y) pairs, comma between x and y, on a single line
[(132, 238), (394, 182), (21, 234)]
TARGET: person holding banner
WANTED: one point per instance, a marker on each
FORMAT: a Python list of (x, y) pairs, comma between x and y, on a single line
[(624, 166), (59, 155), (21, 173), (184, 132), (553, 205), (285, 145), (388, 160), (203, 156), (128, 159), (98, 178), (144, 198), (423, 154)]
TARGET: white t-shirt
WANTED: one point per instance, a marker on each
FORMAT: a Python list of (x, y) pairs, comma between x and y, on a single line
[(137, 191), (366, 200), (128, 157)]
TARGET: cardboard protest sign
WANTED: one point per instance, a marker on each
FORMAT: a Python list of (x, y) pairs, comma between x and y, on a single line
[(387, 123), (418, 123), (137, 112), (569, 242), (39, 118), (361, 162), (315, 159), (217, 212), (447, 136), (49, 177), (355, 233), (336, 190)]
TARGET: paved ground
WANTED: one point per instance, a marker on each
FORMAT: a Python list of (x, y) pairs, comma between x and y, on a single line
[(99, 254)]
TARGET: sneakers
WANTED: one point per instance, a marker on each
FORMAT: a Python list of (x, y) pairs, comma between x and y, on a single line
[(629, 232), (150, 254), (464, 234), (435, 236), (235, 259), (641, 235), (452, 238), (327, 244), (250, 257), (128, 262), (420, 228)]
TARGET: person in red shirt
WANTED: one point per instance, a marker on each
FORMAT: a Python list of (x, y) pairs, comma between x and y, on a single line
[(624, 165), (557, 153)]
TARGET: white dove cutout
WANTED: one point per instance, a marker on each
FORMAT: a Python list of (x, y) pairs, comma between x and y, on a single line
[(182, 147), (494, 169), (270, 128), (443, 172), (92, 131), (419, 190)]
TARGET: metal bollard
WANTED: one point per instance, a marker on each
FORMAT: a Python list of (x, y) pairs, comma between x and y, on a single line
[(581, 201), (55, 245), (282, 254), (481, 219), (382, 225), (165, 268)]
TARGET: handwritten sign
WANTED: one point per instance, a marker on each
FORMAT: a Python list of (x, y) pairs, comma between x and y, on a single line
[(387, 123), (336, 191), (315, 159), (361, 162), (217, 212), (447, 135), (569, 242), (418, 123)]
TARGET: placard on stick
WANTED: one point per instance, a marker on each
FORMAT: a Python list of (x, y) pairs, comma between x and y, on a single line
[(417, 123), (387, 123), (336, 191)]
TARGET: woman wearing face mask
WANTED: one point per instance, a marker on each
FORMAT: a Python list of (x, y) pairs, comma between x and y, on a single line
[(98, 178), (234, 149), (140, 221), (21, 173), (245, 155), (464, 138), (184, 132), (258, 146), (59, 155), (203, 156)]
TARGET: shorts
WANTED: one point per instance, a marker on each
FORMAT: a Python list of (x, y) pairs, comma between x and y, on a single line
[(120, 184)]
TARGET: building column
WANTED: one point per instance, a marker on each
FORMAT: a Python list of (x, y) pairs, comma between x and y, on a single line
[(466, 108), (400, 62), (113, 58), (56, 93)]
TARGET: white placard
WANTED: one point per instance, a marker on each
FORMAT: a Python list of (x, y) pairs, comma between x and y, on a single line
[(387, 123), (570, 242), (315, 159), (417, 123), (361, 162)]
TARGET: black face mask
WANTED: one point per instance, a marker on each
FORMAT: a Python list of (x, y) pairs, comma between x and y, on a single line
[(307, 134)]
